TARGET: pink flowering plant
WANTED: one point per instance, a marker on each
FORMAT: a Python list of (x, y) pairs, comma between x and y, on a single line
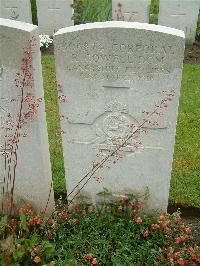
[(15, 127), (115, 233)]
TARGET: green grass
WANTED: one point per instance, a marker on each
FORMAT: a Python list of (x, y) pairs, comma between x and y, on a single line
[(34, 12), (154, 10), (53, 123), (185, 183), (91, 11)]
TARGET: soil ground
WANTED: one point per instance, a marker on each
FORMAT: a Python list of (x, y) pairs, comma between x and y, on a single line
[(191, 217), (192, 54), (194, 224)]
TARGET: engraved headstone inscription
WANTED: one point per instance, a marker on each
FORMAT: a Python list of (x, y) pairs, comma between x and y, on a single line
[(53, 15), (25, 171), (109, 74), (181, 15), (131, 10), (19, 10)]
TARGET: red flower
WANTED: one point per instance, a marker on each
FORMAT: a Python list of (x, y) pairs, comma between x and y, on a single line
[(42, 212), (76, 206), (37, 220), (167, 230), (186, 230), (123, 200), (88, 256), (155, 226), (120, 208), (133, 212), (94, 261), (83, 212), (36, 250), (105, 208), (190, 249), (177, 254), (29, 206), (33, 221), (49, 236), (131, 205), (53, 226), (181, 239), (196, 258), (139, 204), (146, 234), (30, 212), (138, 220), (162, 217), (37, 259), (63, 214), (181, 262)]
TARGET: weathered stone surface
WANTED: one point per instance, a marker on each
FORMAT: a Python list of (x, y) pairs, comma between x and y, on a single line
[(16, 10), (108, 74), (131, 10), (181, 15), (23, 128), (53, 15)]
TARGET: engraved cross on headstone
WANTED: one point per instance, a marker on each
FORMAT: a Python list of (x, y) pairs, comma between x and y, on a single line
[(13, 12), (180, 17), (54, 9), (131, 15)]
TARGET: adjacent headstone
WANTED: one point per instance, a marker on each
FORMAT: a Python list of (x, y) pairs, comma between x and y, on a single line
[(25, 166), (181, 15), (108, 73), (131, 10), (53, 15), (16, 10)]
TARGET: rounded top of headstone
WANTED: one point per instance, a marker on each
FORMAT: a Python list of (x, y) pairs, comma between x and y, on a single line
[(17, 24), (124, 25)]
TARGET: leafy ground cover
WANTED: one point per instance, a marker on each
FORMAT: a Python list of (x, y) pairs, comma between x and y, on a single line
[(116, 233), (185, 183)]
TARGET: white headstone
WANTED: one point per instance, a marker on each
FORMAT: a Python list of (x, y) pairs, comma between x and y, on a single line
[(19, 10), (108, 74), (53, 15), (131, 10), (180, 14), (23, 128)]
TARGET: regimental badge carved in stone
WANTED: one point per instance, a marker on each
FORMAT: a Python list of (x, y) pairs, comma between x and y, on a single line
[(116, 121), (14, 15), (113, 126)]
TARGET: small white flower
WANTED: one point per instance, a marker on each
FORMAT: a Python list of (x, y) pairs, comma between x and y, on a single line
[(45, 40)]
